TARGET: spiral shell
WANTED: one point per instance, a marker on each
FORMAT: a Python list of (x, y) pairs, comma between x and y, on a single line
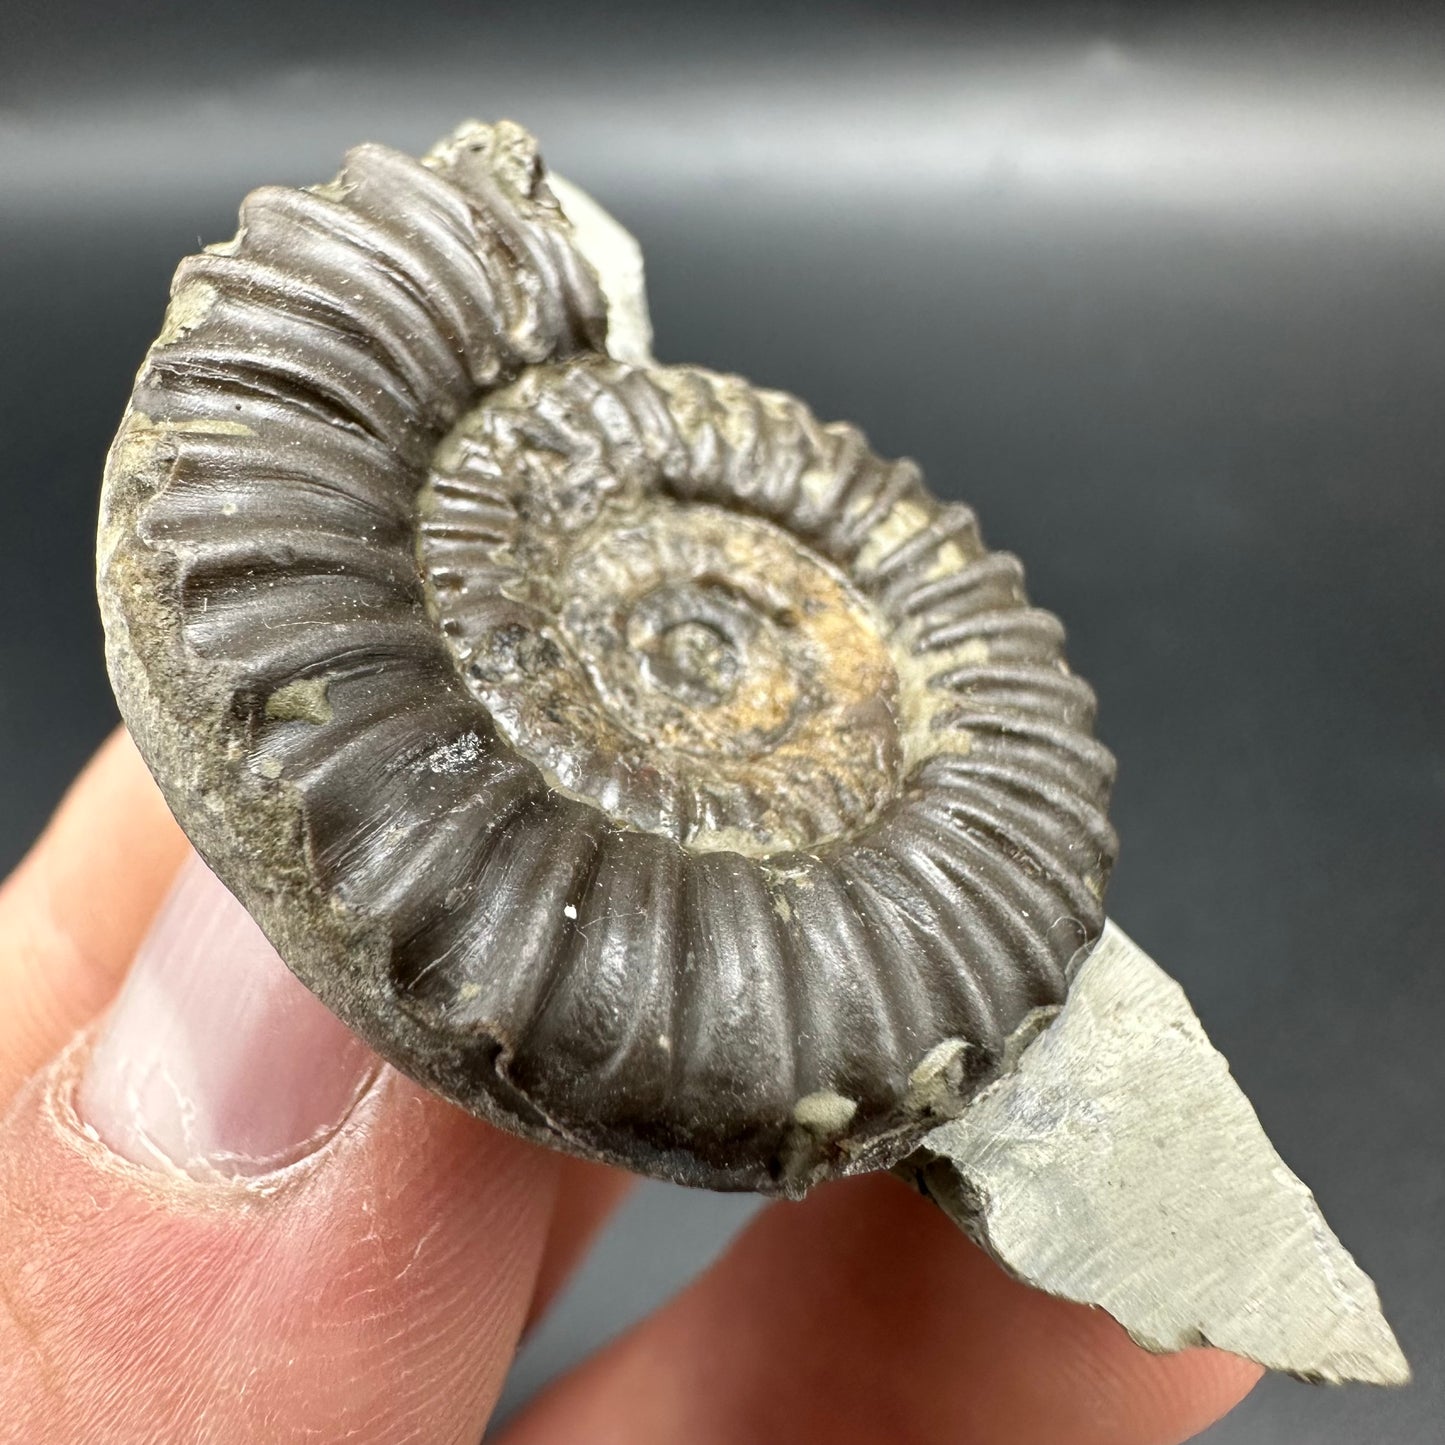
[(625, 754)]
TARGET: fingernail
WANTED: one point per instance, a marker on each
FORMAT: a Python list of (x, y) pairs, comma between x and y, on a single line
[(215, 1058)]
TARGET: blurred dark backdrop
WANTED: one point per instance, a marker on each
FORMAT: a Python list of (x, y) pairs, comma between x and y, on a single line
[(1160, 291)]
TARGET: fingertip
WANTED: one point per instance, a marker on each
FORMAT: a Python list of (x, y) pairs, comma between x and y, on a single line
[(372, 1291), (1173, 1397), (218, 1208)]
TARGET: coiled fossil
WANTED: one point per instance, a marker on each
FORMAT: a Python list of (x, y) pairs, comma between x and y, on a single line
[(629, 756)]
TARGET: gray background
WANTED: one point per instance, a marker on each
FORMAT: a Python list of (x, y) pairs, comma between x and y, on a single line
[(1160, 291)]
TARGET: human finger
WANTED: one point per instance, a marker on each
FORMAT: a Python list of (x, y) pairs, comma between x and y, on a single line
[(73, 912), (864, 1315), (222, 1219)]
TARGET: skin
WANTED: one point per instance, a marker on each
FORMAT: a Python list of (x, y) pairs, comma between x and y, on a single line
[(377, 1291)]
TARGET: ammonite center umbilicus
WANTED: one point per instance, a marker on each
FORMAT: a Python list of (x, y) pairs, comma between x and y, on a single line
[(626, 754)]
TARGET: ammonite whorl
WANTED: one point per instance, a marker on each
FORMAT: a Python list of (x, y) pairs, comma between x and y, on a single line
[(624, 753)]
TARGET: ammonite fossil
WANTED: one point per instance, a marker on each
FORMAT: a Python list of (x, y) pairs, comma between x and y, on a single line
[(629, 756)]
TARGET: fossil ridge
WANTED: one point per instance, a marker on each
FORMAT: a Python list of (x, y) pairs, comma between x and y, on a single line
[(623, 752)]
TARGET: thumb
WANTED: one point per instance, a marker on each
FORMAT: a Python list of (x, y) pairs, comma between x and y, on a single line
[(223, 1219)]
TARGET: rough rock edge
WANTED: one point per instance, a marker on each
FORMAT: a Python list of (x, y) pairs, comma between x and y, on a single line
[(616, 258), (1119, 1165)]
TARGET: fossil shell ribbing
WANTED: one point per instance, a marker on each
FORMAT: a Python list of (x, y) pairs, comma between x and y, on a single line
[(624, 753)]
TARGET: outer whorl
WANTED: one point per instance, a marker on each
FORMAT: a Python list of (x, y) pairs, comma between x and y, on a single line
[(625, 754)]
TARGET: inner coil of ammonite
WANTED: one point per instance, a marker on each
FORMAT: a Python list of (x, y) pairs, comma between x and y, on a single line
[(626, 754), (659, 642)]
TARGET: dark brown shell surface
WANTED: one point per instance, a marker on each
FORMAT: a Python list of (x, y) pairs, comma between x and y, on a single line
[(625, 754)]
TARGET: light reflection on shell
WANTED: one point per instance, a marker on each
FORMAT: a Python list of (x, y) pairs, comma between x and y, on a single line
[(624, 753)]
